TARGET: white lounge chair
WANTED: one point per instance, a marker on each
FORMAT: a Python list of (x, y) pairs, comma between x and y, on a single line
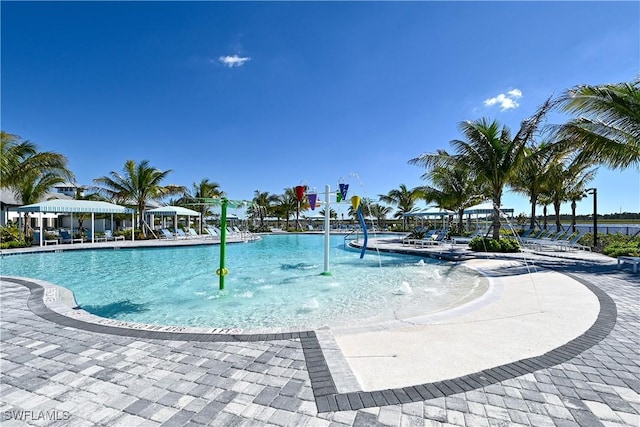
[(109, 235), (436, 239), (166, 234)]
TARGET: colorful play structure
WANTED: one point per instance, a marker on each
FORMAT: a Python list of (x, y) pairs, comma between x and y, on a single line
[(301, 191), (340, 195)]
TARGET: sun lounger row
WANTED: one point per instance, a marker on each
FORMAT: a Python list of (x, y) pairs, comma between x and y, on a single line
[(561, 241)]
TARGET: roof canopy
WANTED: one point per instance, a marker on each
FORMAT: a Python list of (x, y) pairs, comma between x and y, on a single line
[(429, 212), (485, 208), (75, 206), (172, 211)]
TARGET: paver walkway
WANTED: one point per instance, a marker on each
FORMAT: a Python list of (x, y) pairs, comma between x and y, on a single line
[(61, 375)]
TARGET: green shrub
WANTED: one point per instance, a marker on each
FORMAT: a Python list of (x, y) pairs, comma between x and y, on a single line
[(12, 244), (10, 237), (487, 244), (614, 245), (622, 249)]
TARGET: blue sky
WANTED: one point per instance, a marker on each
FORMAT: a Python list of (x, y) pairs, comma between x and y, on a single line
[(268, 95)]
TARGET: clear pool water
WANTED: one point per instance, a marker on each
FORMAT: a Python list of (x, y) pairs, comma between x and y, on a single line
[(274, 282)]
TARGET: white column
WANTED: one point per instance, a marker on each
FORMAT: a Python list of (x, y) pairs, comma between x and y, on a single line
[(133, 226), (41, 230), (327, 213), (93, 227)]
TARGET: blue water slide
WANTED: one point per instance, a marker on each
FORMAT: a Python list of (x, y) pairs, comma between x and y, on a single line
[(364, 230)]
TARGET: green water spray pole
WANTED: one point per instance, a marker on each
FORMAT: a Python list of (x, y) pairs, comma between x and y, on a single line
[(222, 271)]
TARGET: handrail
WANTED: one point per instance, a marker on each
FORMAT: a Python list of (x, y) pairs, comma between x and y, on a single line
[(349, 234)]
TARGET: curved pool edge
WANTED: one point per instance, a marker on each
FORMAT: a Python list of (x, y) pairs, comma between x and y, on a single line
[(326, 394)]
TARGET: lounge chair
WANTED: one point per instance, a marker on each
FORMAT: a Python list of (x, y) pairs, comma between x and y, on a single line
[(409, 240), (467, 239), (211, 232), (166, 234), (181, 234), (109, 236), (193, 233), (436, 239), (573, 243), (535, 237), (544, 238), (567, 243), (66, 237)]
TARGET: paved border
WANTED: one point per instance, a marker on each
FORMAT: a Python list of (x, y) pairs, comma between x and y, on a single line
[(322, 383)]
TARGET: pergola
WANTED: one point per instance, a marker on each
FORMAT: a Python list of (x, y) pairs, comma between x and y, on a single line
[(173, 211), (484, 209), (431, 212), (77, 206)]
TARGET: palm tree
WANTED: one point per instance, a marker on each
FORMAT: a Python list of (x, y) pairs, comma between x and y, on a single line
[(19, 158), (452, 186), (28, 173), (531, 179), (80, 194), (138, 184), (32, 187), (566, 181), (491, 154), (287, 204), (263, 202), (403, 198), (205, 189), (380, 212), (303, 205), (607, 130)]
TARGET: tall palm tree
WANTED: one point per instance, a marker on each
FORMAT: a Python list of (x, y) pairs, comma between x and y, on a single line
[(491, 154), (290, 198), (380, 212), (607, 130), (285, 206), (566, 181), (19, 158), (138, 184), (531, 179), (263, 202), (452, 186), (402, 197), (205, 189)]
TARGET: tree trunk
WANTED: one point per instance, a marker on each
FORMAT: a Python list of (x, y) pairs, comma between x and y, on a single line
[(556, 208), (532, 225), (573, 216), (460, 220), (544, 216), (496, 218)]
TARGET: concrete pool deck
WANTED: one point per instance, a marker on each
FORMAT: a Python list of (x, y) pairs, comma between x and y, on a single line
[(587, 374)]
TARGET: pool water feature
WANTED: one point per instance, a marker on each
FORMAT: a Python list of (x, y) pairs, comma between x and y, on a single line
[(272, 283)]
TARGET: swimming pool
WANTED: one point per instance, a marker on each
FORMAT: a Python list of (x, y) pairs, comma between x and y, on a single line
[(273, 282)]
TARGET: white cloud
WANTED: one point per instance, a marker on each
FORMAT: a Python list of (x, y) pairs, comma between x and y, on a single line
[(233, 61), (506, 102), (515, 93)]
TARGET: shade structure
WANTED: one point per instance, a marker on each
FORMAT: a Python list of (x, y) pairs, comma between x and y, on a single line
[(78, 207), (171, 211), (486, 209), (75, 206)]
